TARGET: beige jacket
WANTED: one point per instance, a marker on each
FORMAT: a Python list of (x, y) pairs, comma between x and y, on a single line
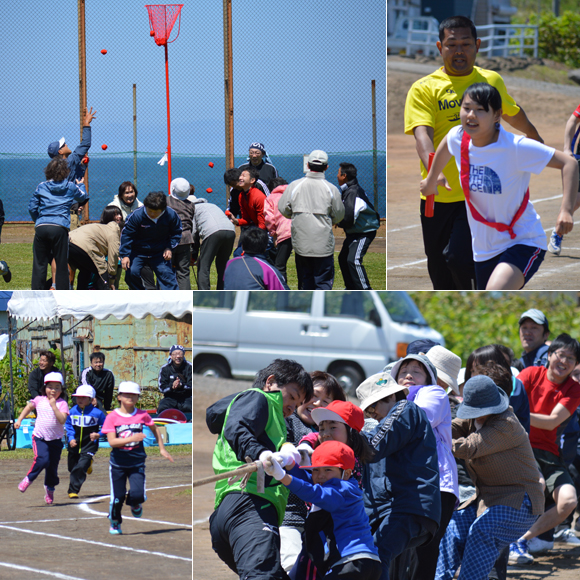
[(314, 205), (99, 241)]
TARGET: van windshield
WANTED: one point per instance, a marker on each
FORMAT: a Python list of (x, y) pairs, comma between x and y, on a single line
[(401, 308)]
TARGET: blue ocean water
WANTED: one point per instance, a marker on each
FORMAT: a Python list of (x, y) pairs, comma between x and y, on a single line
[(21, 174)]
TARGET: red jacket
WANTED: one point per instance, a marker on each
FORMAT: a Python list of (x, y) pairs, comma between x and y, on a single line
[(252, 208)]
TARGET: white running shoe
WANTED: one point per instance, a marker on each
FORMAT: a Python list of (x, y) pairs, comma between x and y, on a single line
[(555, 243), (567, 536), (519, 554), (537, 546)]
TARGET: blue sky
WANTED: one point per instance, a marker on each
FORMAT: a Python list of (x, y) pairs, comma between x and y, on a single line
[(302, 75)]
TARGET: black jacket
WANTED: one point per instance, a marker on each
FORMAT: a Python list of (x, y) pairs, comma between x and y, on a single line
[(367, 220), (103, 383), (167, 376)]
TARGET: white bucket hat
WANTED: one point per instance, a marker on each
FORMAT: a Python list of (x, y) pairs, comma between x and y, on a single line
[(377, 387), (448, 365)]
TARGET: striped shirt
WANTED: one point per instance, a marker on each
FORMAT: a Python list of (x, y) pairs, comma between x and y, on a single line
[(47, 426)]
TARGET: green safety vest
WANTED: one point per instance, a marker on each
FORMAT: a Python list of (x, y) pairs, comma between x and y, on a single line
[(224, 457)]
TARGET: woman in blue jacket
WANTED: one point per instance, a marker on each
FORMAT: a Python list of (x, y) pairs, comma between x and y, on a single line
[(49, 207)]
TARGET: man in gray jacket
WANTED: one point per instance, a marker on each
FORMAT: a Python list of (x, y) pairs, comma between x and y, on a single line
[(314, 205), (216, 234)]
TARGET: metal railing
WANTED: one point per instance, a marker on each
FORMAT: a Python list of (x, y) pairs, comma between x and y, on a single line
[(508, 40)]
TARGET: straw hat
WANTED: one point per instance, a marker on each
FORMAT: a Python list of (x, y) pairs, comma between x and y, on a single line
[(448, 365), (377, 387)]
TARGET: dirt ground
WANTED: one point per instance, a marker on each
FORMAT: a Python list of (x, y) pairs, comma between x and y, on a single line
[(561, 564), (548, 106), (70, 538)]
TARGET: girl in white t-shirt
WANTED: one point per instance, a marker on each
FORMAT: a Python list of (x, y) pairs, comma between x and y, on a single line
[(51, 413), (495, 166)]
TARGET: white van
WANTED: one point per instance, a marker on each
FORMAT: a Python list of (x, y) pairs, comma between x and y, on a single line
[(351, 335)]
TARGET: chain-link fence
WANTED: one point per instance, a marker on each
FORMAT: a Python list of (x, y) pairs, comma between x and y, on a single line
[(302, 74)]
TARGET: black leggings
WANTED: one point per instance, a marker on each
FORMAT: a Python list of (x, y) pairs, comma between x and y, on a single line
[(79, 260)]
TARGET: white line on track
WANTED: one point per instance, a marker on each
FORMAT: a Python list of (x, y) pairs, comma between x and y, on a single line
[(39, 572), (404, 228), (95, 543), (86, 508), (407, 264), (47, 521)]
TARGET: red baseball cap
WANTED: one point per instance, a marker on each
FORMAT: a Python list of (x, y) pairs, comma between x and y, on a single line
[(332, 454), (341, 411)]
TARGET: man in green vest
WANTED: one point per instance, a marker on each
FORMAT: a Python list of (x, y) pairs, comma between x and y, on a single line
[(244, 525)]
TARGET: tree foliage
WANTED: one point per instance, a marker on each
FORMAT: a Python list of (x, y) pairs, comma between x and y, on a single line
[(468, 320)]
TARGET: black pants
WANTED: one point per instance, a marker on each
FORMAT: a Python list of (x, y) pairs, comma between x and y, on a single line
[(79, 260), (283, 251), (181, 256), (171, 403), (244, 534), (216, 247), (78, 463), (363, 569), (350, 259), (136, 495), (315, 273), (50, 242), (447, 243), (424, 560)]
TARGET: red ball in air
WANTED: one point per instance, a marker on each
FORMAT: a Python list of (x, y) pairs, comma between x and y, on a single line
[(228, 212), (209, 190), (86, 159), (210, 164), (103, 51), (104, 147), (151, 33)]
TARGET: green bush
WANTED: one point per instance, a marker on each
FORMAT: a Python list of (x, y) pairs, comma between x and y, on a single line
[(468, 320), (559, 38)]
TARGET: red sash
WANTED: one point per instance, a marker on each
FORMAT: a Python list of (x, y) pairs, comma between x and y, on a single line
[(465, 186)]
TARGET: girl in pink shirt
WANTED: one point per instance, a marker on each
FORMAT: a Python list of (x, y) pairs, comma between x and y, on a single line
[(51, 413)]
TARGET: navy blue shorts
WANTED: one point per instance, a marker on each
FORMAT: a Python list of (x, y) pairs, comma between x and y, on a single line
[(526, 258)]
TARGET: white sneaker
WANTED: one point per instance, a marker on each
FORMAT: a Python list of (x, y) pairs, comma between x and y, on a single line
[(555, 243), (519, 555), (536, 545), (567, 536)]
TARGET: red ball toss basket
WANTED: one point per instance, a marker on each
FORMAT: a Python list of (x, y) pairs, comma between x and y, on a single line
[(162, 17)]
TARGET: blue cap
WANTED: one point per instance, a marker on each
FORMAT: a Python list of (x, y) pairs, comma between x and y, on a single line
[(55, 147), (177, 347), (259, 146)]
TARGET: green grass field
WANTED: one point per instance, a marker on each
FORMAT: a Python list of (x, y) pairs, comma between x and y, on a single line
[(19, 258)]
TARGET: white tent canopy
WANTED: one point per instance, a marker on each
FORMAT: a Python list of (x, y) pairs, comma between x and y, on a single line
[(45, 304)]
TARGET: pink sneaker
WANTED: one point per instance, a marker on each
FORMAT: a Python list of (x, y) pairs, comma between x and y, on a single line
[(49, 497), (23, 485)]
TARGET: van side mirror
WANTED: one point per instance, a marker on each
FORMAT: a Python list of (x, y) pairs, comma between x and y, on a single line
[(375, 318)]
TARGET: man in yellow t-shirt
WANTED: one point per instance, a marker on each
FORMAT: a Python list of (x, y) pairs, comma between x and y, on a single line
[(431, 110)]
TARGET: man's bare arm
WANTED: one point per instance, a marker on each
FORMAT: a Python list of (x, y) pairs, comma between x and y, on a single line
[(523, 124), (424, 142)]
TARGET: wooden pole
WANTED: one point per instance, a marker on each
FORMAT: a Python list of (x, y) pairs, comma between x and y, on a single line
[(228, 88), (375, 179), (83, 88), (135, 134)]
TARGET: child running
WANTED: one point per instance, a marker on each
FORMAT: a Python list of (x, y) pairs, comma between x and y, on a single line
[(508, 240), (82, 428), (331, 488), (124, 429), (51, 413)]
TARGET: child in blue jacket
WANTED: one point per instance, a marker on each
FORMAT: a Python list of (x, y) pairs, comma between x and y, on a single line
[(49, 208), (83, 425), (353, 554), (149, 237)]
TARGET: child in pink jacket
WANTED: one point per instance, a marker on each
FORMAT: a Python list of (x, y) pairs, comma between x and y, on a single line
[(278, 226)]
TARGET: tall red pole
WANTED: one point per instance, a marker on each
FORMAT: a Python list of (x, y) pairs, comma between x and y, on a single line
[(168, 124)]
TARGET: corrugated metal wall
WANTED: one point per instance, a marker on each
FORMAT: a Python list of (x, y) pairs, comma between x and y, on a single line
[(134, 349)]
